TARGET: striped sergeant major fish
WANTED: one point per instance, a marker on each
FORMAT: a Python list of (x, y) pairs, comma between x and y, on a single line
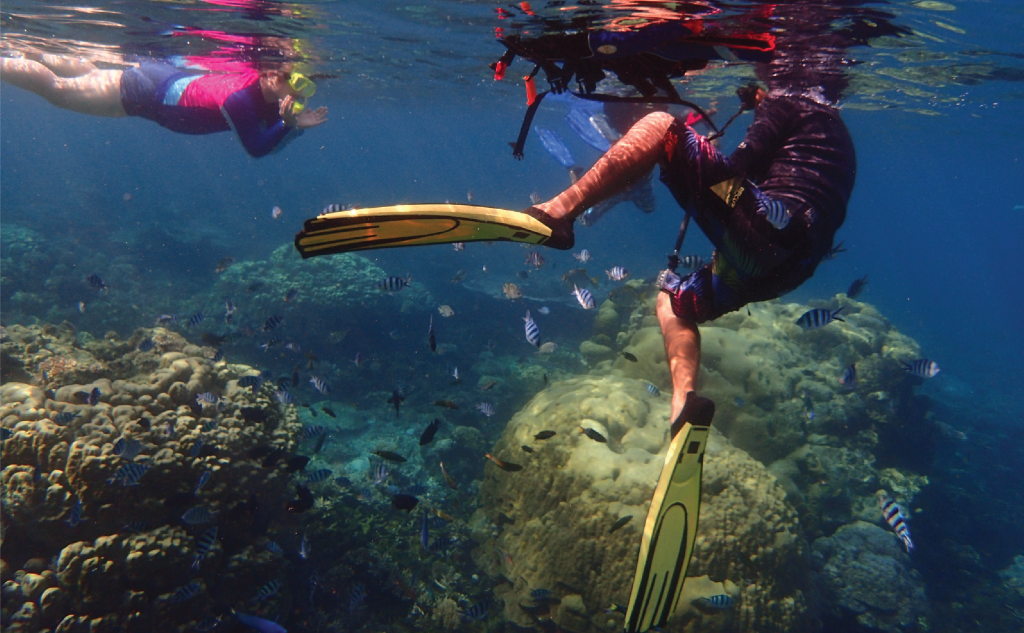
[(203, 546), (335, 208), (617, 273), (394, 284), (773, 210), (712, 604), (532, 331), (893, 515), (692, 262), (583, 296), (195, 319), (818, 318), (922, 368), (187, 592), (129, 474)]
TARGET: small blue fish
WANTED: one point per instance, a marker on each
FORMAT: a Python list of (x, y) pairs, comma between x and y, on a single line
[(272, 323), (195, 319), (532, 331), (320, 384), (127, 449), (380, 473), (75, 516), (653, 389), (319, 475), (203, 546), (64, 418), (291, 294), (267, 590), (185, 593), (555, 147), (849, 376), (284, 397), (273, 341), (304, 547), (135, 527), (393, 284), (314, 431), (818, 318), (540, 594), (260, 624), (205, 477), (166, 319), (198, 446), (247, 382), (584, 297), (274, 548), (720, 602), (922, 367), (197, 515), (129, 474), (146, 345), (89, 397)]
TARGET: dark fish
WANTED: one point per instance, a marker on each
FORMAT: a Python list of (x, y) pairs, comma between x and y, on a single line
[(630, 357), (253, 414), (508, 466), (447, 478), (203, 479), (713, 604), (218, 355), (145, 345), (195, 319), (314, 431), (857, 287), (297, 463), (544, 435), (388, 455), (252, 382), (448, 404), (404, 502), (203, 546), (835, 250), (135, 527), (621, 521), (272, 457), (96, 282), (254, 286), (267, 590), (424, 533), (197, 515), (523, 274), (594, 435), (540, 594), (272, 323), (185, 593), (129, 474), (319, 475), (503, 519), (303, 502), (75, 516), (393, 284), (458, 276), (64, 418), (396, 399), (526, 448), (818, 318), (489, 385), (319, 443), (211, 339), (849, 376), (479, 610), (329, 412), (545, 379), (922, 367), (89, 397), (312, 411), (291, 294), (284, 397), (428, 433), (431, 338)]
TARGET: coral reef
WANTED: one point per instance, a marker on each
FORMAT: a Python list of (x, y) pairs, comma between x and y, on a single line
[(1013, 576), (864, 574), (108, 511), (572, 489)]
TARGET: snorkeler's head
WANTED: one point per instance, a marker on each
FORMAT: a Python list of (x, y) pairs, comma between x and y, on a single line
[(281, 83)]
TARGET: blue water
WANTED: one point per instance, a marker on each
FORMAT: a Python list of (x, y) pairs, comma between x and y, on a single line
[(936, 220)]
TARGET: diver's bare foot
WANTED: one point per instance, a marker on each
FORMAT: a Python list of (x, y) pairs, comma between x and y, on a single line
[(562, 236)]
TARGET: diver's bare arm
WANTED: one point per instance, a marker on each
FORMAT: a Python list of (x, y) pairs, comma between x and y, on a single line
[(682, 347), (629, 160)]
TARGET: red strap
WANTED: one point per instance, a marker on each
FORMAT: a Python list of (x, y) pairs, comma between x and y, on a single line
[(499, 70), (531, 90)]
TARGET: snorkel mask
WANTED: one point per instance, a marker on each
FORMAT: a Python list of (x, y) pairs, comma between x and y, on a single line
[(305, 87)]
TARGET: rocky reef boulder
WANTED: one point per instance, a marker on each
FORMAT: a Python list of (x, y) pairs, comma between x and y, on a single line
[(864, 575), (572, 489)]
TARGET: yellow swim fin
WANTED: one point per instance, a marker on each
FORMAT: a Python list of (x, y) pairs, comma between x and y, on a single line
[(415, 225), (671, 526)]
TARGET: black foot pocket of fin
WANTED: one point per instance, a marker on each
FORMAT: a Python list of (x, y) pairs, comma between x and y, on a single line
[(562, 236), (697, 411)]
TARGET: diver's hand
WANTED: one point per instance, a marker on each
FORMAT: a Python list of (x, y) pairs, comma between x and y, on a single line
[(286, 109), (311, 118)]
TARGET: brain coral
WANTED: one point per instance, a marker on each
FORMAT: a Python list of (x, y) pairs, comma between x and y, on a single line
[(572, 489), (121, 550)]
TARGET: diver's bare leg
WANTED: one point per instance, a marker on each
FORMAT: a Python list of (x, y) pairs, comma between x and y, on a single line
[(97, 93), (628, 161), (63, 66), (682, 347)]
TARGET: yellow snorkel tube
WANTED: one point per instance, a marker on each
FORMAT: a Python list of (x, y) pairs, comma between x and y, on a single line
[(305, 87)]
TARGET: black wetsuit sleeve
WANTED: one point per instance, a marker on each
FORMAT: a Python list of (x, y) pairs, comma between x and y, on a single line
[(258, 135), (766, 136)]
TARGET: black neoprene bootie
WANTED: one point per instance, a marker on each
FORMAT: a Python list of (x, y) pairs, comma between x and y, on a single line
[(697, 411), (562, 236)]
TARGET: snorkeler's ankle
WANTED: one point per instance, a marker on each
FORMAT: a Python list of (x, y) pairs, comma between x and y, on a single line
[(562, 236)]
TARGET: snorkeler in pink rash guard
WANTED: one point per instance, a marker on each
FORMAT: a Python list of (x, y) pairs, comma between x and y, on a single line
[(265, 109)]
